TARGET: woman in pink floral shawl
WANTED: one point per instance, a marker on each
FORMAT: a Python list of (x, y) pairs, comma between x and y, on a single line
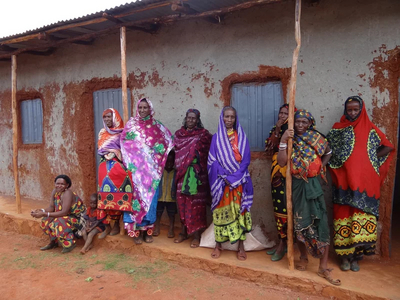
[(145, 144)]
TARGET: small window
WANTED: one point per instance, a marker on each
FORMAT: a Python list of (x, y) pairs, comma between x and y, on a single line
[(257, 106), (32, 121)]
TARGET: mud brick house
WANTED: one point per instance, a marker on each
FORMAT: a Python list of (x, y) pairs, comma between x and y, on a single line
[(202, 54)]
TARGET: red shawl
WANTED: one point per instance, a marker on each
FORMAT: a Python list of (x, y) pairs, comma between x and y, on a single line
[(357, 172), (189, 144)]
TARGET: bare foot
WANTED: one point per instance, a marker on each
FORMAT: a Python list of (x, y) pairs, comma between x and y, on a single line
[(88, 248), (171, 233), (105, 232), (83, 251), (148, 239), (195, 243), (138, 240), (241, 255), (115, 229), (156, 231), (181, 238), (216, 252)]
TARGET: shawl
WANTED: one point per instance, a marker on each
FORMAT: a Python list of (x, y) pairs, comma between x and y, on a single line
[(145, 144), (307, 148), (357, 172), (191, 144), (222, 165), (109, 138)]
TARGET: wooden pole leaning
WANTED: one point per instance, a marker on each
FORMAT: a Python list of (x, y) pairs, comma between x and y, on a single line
[(124, 93), (15, 130), (292, 102)]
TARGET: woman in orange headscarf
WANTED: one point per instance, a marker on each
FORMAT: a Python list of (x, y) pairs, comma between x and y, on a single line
[(114, 181)]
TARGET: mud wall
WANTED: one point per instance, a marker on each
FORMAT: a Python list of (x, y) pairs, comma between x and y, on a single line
[(348, 47)]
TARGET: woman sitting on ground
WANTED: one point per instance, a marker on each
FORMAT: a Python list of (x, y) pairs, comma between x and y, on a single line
[(192, 143), (61, 218), (310, 155), (231, 185)]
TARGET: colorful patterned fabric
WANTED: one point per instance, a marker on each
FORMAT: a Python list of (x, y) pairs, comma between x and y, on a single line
[(230, 224), (114, 189), (310, 216), (191, 153), (91, 220), (307, 150), (145, 144), (357, 172), (223, 165), (61, 229), (109, 139), (355, 232), (278, 191)]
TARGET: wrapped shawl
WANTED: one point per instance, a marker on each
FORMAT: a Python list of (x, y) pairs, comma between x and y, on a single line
[(222, 165), (357, 172), (145, 144), (109, 139)]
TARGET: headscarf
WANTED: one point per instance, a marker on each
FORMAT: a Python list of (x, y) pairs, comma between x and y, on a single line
[(357, 172), (223, 165), (353, 99), (197, 112), (145, 144), (109, 140), (307, 147)]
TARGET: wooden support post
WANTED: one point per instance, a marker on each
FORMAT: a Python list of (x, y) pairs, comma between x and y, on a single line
[(124, 91), (292, 102), (15, 129)]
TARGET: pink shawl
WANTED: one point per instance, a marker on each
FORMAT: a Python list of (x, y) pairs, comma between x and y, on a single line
[(145, 144)]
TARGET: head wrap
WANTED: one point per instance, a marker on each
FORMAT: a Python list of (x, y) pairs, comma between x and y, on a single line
[(195, 111), (108, 141), (302, 113), (349, 100)]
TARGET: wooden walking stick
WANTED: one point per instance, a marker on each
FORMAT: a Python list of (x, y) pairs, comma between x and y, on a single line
[(15, 130), (124, 94), (292, 102)]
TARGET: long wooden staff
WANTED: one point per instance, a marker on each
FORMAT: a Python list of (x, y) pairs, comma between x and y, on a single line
[(292, 102), (124, 94), (15, 130)]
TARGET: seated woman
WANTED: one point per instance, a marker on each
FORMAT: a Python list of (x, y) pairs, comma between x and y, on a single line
[(231, 185), (361, 156), (310, 155), (61, 218)]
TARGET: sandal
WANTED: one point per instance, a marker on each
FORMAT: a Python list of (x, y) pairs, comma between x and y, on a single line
[(302, 264), (326, 273), (181, 238), (195, 243)]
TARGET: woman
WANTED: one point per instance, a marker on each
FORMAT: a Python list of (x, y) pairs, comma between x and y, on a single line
[(360, 162), (145, 144), (192, 143), (115, 186), (61, 218), (310, 155), (278, 175), (231, 185)]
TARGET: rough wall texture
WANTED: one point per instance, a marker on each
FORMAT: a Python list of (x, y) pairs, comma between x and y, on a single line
[(348, 47)]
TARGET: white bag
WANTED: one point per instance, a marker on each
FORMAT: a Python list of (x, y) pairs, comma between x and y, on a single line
[(255, 240)]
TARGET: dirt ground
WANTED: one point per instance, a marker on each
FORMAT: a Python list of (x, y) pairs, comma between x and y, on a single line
[(28, 273)]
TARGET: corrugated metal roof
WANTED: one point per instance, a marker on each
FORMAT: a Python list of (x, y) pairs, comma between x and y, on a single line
[(137, 11)]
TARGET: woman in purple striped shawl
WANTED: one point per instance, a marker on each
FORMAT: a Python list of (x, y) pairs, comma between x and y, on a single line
[(230, 182)]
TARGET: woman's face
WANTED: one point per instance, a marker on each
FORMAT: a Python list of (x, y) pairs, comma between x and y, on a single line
[(144, 109), (301, 125), (353, 109), (283, 114), (229, 118), (108, 119), (191, 120), (61, 185)]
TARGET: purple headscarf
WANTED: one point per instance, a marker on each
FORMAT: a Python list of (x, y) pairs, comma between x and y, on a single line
[(222, 164)]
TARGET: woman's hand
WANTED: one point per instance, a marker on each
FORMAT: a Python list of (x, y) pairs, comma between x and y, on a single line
[(38, 213), (288, 134)]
